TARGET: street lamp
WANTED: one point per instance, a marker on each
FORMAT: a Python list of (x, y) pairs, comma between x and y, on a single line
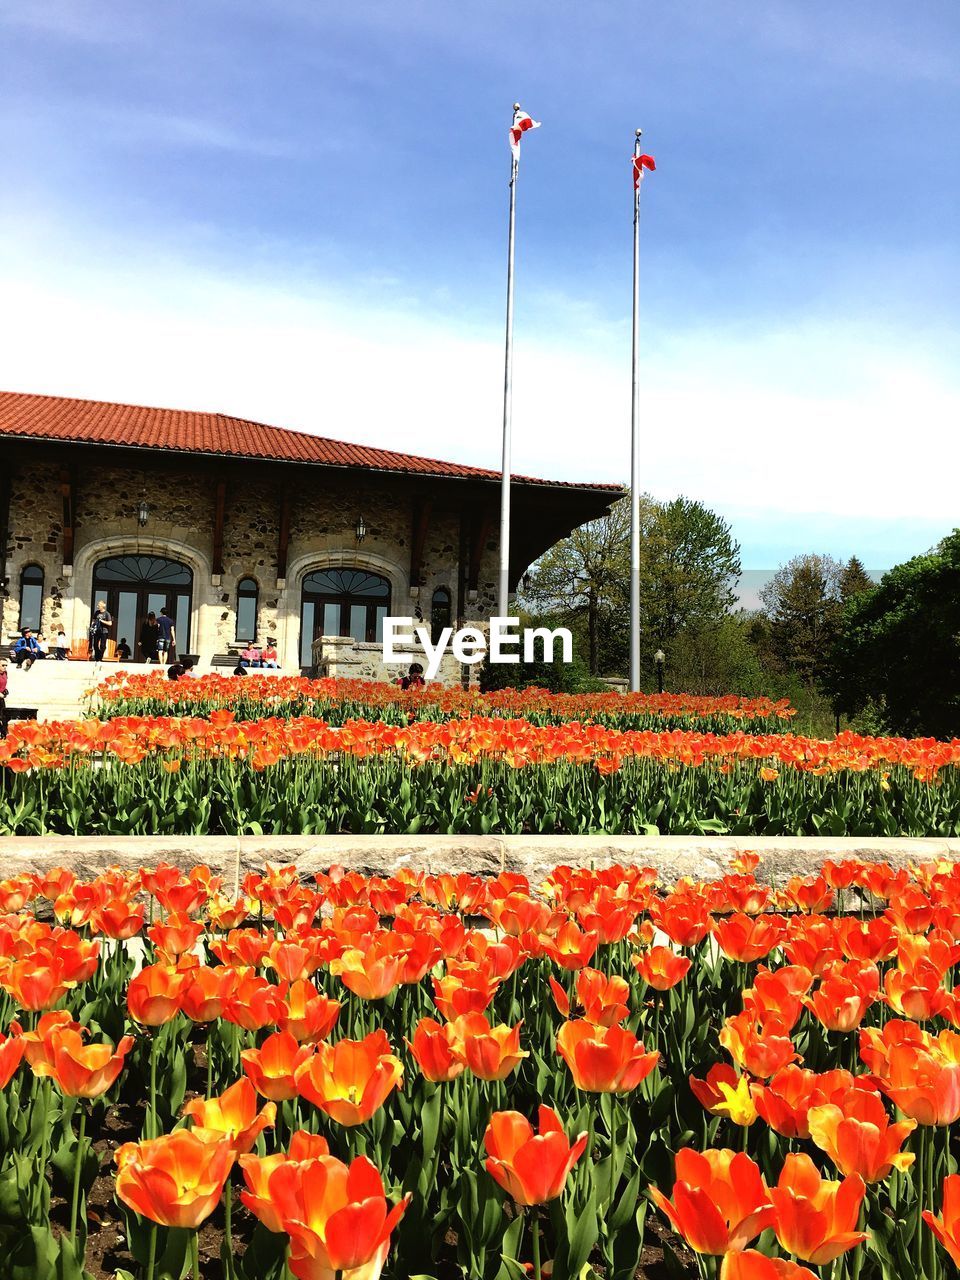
[(361, 528), (659, 658), (143, 513)]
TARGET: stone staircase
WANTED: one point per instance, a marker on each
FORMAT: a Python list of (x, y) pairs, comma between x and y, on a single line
[(56, 690)]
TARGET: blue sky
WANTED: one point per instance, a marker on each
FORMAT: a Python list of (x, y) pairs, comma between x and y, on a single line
[(295, 211)]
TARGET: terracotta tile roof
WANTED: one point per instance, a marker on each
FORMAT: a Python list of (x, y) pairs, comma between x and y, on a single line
[(184, 431)]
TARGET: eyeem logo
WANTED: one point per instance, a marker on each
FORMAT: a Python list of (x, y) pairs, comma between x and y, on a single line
[(470, 645)]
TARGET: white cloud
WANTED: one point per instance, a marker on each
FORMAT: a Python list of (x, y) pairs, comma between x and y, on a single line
[(818, 418)]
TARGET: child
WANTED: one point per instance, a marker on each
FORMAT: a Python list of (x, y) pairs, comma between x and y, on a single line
[(62, 648)]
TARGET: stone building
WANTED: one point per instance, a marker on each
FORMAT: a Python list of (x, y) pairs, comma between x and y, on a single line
[(248, 532)]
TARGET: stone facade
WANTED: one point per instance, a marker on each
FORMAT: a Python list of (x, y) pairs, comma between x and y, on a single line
[(324, 505)]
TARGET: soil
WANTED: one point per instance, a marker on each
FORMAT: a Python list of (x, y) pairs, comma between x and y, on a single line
[(106, 1241)]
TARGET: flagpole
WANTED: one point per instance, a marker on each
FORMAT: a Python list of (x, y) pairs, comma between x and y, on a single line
[(504, 580), (634, 446)]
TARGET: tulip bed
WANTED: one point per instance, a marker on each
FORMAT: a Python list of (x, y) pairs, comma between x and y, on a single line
[(216, 775), (438, 1076), (150, 693)]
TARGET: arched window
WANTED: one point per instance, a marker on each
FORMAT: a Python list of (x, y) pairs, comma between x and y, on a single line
[(342, 602), (439, 612), (31, 597), (247, 609), (135, 585)]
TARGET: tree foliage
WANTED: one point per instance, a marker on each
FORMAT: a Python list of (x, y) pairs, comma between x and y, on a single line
[(688, 564), (899, 646)]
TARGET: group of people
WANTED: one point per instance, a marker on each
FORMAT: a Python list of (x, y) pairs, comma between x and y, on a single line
[(254, 656), (30, 648)]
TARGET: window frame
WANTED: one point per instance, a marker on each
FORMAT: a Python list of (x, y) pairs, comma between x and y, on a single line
[(247, 595), (37, 568)]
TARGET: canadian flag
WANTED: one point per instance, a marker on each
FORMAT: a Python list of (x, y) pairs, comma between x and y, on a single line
[(521, 124), (639, 164)]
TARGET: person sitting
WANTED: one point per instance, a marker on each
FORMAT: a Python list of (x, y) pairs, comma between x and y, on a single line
[(26, 651), (414, 677), (61, 646), (123, 650), (269, 655), (42, 645), (177, 670), (250, 657)]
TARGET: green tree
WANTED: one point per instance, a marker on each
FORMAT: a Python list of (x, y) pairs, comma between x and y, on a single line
[(688, 562), (804, 604), (854, 580), (579, 580), (899, 646)]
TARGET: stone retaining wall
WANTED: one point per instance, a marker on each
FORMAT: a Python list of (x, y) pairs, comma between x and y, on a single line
[(673, 857)]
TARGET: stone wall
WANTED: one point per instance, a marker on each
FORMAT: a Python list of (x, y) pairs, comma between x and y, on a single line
[(324, 508)]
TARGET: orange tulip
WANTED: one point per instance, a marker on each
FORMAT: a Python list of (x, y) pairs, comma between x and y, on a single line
[(661, 967), (785, 1100), (176, 1180), (816, 1220), (838, 1004), (916, 993), (925, 1085), (466, 992), (335, 1215), (570, 947), (858, 1137), (531, 1167), (207, 992), (437, 1050), (12, 1048), (758, 1048), (947, 1227), (233, 1115), (604, 1059), (719, 1200), (748, 938), (177, 934), (272, 1068), (601, 1000), (747, 1264), (154, 996), (258, 1170), (374, 971), (255, 1003), (351, 1079), (491, 1053), (683, 917), (79, 1070), (308, 1016)]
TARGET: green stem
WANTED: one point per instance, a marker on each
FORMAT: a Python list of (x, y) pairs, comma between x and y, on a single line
[(77, 1165), (154, 1127), (228, 1226), (537, 1273), (152, 1256), (209, 1060), (195, 1253)]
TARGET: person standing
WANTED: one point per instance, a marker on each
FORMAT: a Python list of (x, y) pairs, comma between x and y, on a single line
[(167, 639), (61, 647), (4, 685), (100, 624), (149, 637)]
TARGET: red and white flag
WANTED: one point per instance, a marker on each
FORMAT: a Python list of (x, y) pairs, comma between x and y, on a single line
[(520, 126), (639, 164)]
